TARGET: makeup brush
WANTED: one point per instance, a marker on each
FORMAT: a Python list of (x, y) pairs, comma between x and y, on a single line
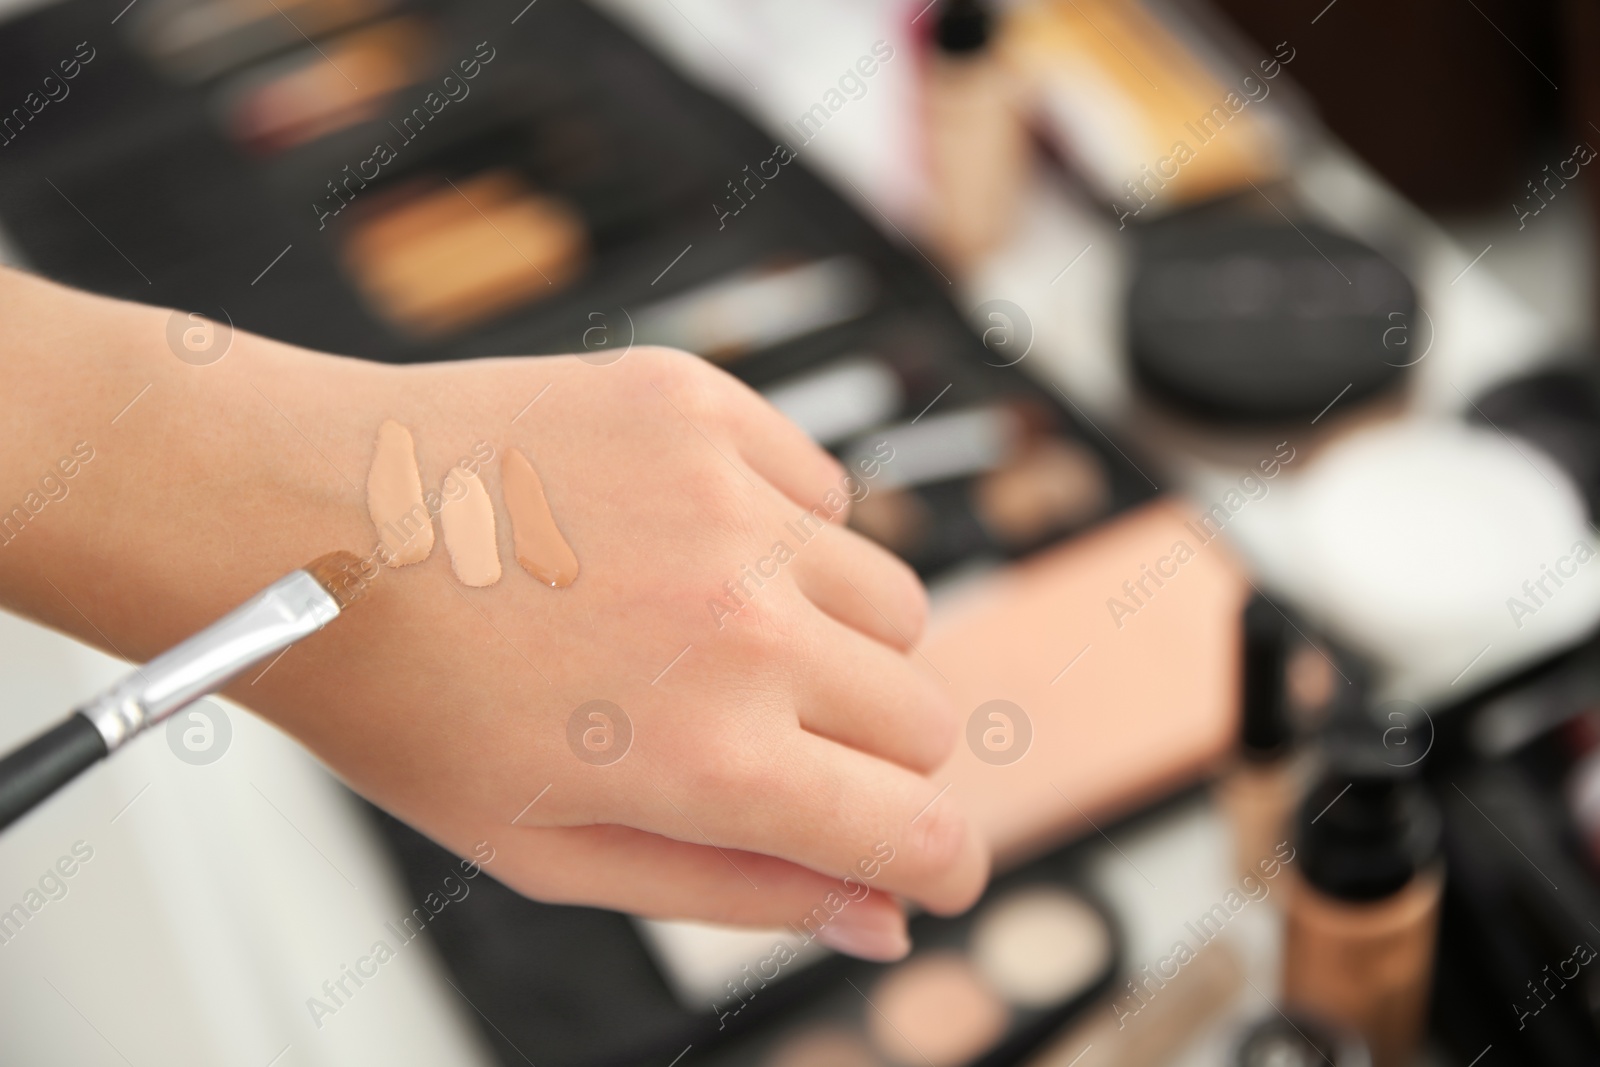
[(293, 607)]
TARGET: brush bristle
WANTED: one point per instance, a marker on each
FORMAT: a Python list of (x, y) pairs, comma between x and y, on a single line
[(340, 573)]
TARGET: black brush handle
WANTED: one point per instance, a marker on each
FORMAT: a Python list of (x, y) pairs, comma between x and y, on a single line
[(45, 764)]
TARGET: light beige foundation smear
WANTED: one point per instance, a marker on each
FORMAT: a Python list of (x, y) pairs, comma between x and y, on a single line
[(468, 520), (394, 497), (541, 549)]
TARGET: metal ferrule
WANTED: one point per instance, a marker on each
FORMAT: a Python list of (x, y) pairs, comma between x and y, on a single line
[(287, 610)]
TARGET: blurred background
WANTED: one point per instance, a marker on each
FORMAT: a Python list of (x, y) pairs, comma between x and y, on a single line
[(1237, 363)]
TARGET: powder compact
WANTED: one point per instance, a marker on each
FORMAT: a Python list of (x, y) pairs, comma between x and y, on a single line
[(1235, 317), (980, 989)]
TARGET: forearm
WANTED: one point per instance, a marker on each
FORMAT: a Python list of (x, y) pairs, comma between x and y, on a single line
[(142, 496), (210, 481)]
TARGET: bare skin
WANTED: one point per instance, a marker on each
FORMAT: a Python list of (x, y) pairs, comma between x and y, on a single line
[(772, 758)]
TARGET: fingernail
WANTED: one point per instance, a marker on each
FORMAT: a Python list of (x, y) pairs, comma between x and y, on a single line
[(876, 936)]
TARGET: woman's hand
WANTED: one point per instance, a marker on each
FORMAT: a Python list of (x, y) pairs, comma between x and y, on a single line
[(774, 725)]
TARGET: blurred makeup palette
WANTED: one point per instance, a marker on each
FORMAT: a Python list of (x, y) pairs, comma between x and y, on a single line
[(435, 259), (306, 95), (1146, 119)]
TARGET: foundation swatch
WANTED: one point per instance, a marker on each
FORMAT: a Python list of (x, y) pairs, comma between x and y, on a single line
[(394, 497), (541, 549), (468, 520)]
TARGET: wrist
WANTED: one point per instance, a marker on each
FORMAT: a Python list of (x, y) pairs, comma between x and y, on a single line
[(191, 484)]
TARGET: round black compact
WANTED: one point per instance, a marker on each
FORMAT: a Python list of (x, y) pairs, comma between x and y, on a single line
[(1261, 320)]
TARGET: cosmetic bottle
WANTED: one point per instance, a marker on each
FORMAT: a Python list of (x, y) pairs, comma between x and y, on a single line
[(1258, 793), (976, 142), (1299, 1041), (1363, 902)]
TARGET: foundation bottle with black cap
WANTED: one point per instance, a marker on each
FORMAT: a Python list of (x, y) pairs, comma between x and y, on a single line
[(977, 144), (1259, 791), (1363, 902)]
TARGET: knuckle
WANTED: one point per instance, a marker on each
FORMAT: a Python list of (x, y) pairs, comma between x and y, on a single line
[(729, 761), (762, 636), (913, 600), (667, 360), (720, 488), (743, 560), (684, 378), (836, 472), (938, 839), (739, 909), (940, 730), (966, 892), (549, 883)]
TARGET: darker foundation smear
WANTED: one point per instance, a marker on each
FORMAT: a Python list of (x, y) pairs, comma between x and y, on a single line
[(541, 549)]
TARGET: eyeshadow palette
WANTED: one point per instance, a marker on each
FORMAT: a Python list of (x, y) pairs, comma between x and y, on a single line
[(978, 990), (417, 180)]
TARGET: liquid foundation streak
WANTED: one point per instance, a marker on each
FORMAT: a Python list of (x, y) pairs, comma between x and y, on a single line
[(394, 497), (468, 520), (541, 549)]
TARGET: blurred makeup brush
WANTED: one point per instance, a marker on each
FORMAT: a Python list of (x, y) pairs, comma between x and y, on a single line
[(293, 607)]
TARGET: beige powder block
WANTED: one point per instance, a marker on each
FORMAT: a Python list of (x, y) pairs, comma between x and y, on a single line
[(1148, 704)]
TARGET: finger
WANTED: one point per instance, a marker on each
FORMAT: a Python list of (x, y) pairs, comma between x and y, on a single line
[(657, 877), (780, 452), (870, 697), (863, 585), (822, 805)]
